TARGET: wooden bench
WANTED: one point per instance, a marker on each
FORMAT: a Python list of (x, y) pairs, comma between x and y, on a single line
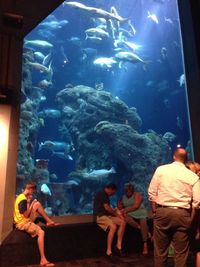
[(62, 243)]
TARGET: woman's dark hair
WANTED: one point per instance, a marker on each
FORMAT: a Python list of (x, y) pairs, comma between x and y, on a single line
[(112, 186), (129, 186)]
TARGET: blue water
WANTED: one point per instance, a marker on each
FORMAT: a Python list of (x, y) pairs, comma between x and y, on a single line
[(153, 89)]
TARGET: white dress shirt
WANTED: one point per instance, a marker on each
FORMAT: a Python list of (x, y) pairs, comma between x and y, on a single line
[(176, 186)]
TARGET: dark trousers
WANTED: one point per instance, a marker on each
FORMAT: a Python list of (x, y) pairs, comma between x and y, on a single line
[(171, 225)]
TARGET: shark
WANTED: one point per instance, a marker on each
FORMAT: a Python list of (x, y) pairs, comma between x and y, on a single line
[(96, 12)]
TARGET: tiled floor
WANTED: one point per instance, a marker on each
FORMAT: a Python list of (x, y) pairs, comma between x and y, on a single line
[(131, 260)]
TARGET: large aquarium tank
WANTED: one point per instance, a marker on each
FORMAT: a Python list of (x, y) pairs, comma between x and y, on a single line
[(103, 99)]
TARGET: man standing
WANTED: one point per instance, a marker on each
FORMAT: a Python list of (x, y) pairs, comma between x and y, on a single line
[(26, 210), (174, 190), (108, 219)]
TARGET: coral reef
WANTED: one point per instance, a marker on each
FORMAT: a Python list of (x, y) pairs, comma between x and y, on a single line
[(29, 125), (105, 133), (83, 108)]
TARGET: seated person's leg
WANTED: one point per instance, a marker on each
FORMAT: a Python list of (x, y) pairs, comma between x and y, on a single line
[(198, 259), (35, 230), (29, 227), (112, 229), (120, 233), (107, 225), (144, 232), (38, 209), (130, 220), (144, 229)]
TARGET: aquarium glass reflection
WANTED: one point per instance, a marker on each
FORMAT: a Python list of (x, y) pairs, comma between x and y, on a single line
[(103, 99)]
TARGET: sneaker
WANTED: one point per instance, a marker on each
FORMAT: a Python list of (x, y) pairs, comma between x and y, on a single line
[(145, 251), (109, 257), (170, 251), (117, 252)]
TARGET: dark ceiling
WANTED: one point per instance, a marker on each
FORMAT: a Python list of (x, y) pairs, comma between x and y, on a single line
[(21, 16)]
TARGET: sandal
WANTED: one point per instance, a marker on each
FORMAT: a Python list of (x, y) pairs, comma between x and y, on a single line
[(47, 264)]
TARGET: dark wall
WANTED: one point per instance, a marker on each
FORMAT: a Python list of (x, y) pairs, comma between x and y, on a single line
[(189, 19), (195, 10)]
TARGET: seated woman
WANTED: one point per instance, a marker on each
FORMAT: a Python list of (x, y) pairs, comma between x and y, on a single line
[(135, 212)]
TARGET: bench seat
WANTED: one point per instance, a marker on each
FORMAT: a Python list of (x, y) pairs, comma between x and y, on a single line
[(63, 242)]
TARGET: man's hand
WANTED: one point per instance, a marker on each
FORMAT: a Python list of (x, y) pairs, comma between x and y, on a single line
[(120, 213)]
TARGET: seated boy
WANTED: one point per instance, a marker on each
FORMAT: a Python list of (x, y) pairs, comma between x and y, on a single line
[(26, 210)]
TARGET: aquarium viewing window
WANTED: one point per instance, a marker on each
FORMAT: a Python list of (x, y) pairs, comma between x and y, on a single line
[(103, 99)]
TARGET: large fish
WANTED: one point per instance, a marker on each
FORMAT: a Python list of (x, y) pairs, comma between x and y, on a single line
[(98, 174), (169, 136), (97, 32), (123, 57), (181, 80), (38, 43), (54, 146), (45, 190), (106, 62), (128, 57), (38, 66), (62, 155), (50, 113), (72, 182), (153, 17), (39, 56), (96, 12), (44, 84), (53, 24)]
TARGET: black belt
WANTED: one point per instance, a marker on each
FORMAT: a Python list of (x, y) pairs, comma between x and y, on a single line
[(171, 207)]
